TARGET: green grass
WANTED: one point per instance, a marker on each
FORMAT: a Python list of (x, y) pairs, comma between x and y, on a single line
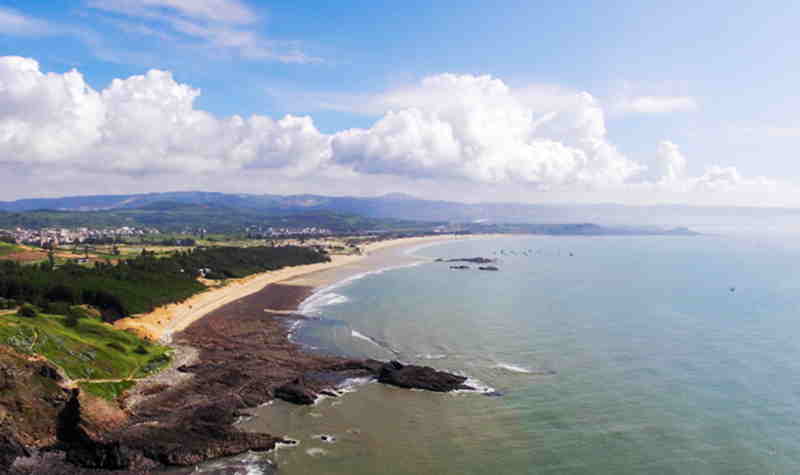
[(91, 350), (6, 248), (108, 391)]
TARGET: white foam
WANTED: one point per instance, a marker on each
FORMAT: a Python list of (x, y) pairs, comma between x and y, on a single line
[(432, 356), (316, 451), (312, 305), (478, 387), (293, 328), (362, 336), (351, 384), (512, 367), (326, 296)]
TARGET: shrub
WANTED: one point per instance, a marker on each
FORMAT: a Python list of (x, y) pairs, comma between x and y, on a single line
[(116, 346), (57, 308), (28, 310), (140, 350), (74, 313)]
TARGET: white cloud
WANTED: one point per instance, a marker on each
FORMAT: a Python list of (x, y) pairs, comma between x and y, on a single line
[(139, 125), (225, 11), (14, 23), (655, 104), (670, 164), (220, 25), (458, 130), (477, 128)]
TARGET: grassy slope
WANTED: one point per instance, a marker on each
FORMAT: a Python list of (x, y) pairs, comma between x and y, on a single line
[(6, 249), (90, 351)]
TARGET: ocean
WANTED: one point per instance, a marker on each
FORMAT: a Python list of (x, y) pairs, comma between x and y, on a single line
[(592, 355)]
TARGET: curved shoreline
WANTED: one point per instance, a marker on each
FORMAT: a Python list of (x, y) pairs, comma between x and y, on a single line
[(238, 356), (165, 321)]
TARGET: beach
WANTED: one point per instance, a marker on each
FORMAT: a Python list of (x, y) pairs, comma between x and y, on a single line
[(232, 354), (163, 322)]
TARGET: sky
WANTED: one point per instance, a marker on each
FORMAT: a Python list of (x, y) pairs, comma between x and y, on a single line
[(569, 102)]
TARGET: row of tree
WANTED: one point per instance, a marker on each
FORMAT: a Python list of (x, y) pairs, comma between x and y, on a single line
[(142, 283)]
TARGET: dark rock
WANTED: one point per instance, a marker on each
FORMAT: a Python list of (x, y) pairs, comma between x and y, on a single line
[(49, 372), (81, 447), (296, 392), (10, 449), (420, 377)]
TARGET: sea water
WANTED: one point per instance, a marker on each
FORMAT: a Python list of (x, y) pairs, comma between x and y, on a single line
[(613, 355)]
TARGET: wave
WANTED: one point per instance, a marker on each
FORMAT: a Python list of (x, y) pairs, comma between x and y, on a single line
[(431, 356), (512, 367), (361, 336), (292, 329), (478, 387), (351, 384), (312, 305), (326, 296), (380, 343)]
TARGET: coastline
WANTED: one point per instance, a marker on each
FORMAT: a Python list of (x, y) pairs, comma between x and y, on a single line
[(233, 353), (165, 321)]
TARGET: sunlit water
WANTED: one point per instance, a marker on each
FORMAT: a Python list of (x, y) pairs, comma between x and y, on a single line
[(633, 355)]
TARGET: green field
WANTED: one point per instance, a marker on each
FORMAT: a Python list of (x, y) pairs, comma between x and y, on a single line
[(6, 248), (89, 351)]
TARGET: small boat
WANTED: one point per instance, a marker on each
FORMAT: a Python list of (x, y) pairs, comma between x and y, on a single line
[(459, 267), (732, 289), (488, 268)]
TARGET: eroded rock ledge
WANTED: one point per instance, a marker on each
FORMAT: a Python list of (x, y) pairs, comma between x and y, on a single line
[(245, 359)]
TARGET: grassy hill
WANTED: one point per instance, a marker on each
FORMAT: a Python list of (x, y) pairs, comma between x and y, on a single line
[(89, 351)]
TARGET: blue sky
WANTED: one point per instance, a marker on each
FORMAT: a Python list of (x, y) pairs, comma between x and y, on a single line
[(592, 101)]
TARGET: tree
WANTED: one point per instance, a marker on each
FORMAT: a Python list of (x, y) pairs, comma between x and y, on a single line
[(74, 314), (28, 310)]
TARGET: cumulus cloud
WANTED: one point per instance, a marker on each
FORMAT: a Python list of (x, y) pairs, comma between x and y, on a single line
[(446, 129), (142, 124), (477, 128), (670, 165), (655, 104)]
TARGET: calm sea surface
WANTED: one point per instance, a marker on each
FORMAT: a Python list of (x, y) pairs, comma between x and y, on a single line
[(614, 355)]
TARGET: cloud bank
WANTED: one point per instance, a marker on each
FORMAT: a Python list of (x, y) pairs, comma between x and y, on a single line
[(457, 128)]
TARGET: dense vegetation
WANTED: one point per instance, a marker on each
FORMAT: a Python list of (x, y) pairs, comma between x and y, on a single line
[(90, 350), (138, 285), (215, 218)]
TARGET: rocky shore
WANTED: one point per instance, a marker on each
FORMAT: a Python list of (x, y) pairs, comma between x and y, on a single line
[(243, 359)]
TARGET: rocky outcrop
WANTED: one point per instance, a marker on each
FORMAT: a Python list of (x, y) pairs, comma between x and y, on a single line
[(10, 449), (83, 448), (30, 401), (245, 359), (420, 377), (296, 392)]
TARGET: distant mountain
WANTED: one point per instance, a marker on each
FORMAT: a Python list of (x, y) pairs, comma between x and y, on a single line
[(407, 207)]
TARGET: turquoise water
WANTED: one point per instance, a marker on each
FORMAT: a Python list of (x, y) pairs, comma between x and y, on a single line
[(633, 355)]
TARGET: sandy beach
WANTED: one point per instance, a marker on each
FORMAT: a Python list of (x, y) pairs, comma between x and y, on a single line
[(163, 322)]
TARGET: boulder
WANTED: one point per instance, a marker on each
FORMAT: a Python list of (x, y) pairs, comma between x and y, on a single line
[(420, 377)]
